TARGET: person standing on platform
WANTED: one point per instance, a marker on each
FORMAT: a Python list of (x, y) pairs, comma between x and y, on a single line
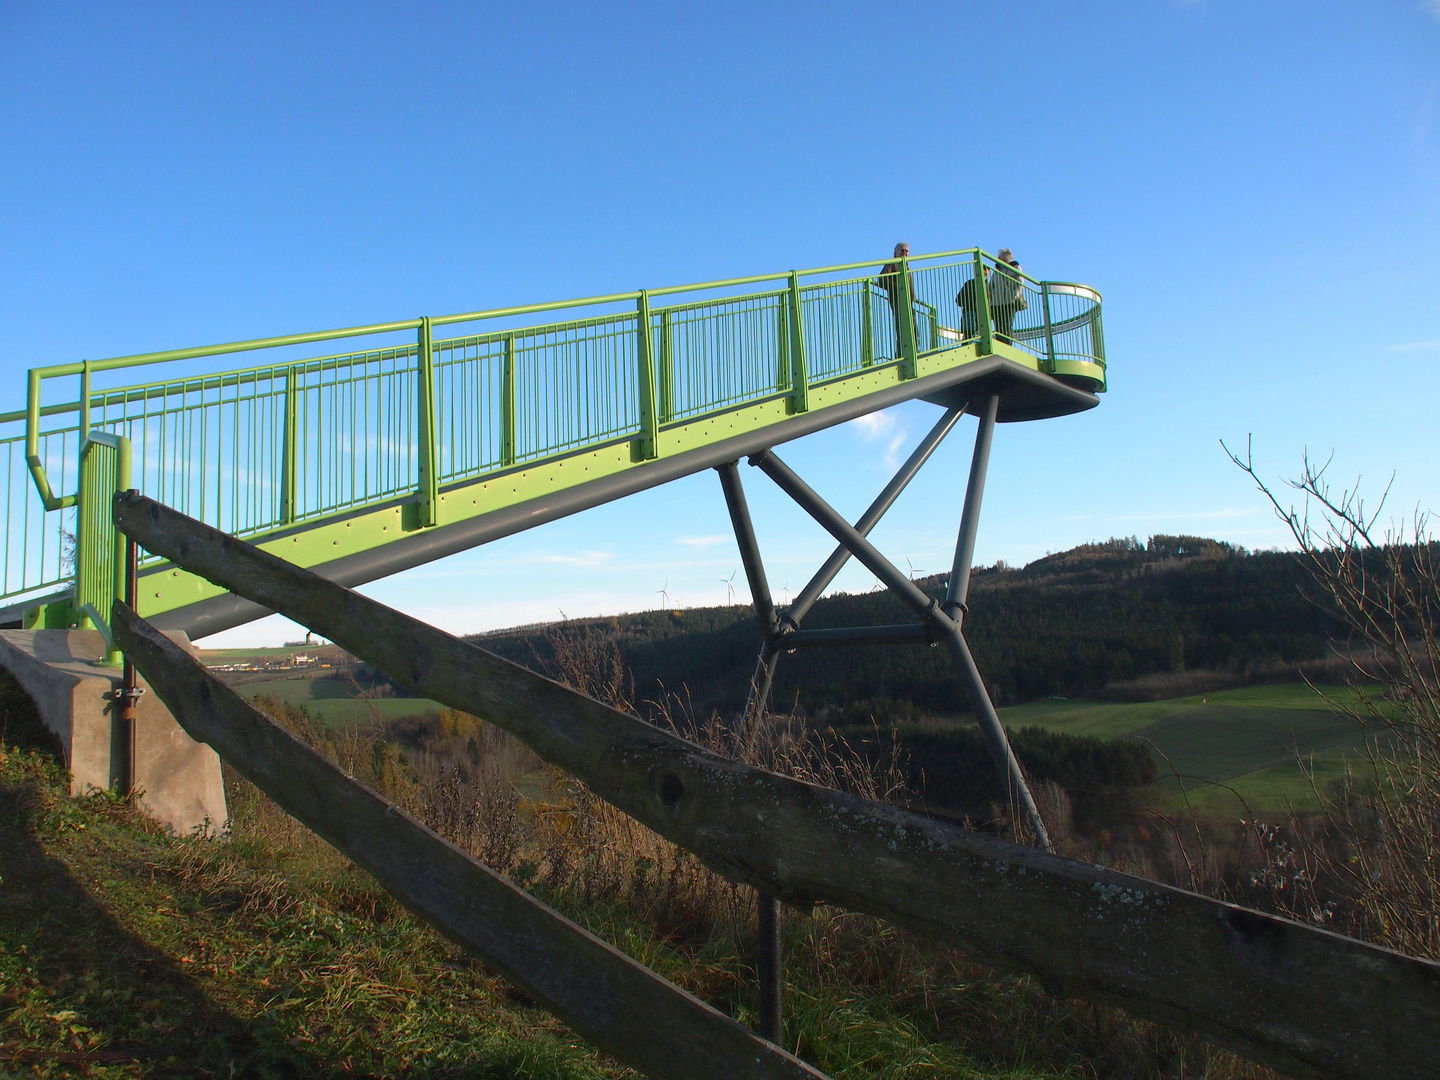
[(890, 282), (969, 303), (1007, 294)]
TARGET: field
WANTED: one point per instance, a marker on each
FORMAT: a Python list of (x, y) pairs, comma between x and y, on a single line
[(333, 701), (1226, 746), (1236, 752)]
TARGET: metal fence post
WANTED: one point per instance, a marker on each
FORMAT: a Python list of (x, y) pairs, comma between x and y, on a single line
[(667, 371), (867, 326), (645, 381), (905, 324), (427, 480), (982, 308), (799, 371), (84, 418), (1049, 325), (288, 473), (507, 403)]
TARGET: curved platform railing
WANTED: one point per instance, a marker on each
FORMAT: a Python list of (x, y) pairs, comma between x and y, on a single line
[(304, 440)]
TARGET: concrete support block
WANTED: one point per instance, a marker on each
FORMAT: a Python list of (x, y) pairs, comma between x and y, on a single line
[(180, 778)]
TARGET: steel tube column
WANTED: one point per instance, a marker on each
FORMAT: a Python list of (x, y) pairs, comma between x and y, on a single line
[(769, 965), (958, 587)]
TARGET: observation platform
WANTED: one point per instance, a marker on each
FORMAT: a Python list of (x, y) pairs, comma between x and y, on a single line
[(410, 445)]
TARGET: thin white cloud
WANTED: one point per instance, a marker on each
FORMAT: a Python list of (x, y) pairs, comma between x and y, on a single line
[(579, 558), (1419, 346), (1432, 6), (701, 541), (874, 426), (882, 427)]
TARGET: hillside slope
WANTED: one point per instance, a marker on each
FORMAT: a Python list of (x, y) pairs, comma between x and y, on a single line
[(1069, 624)]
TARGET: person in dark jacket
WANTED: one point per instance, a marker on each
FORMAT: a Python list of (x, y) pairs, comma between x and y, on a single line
[(890, 282), (968, 299)]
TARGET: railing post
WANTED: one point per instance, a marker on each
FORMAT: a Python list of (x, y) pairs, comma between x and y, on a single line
[(288, 473), (427, 480), (905, 323), (782, 343), (867, 326), (982, 308), (84, 417), (645, 381), (667, 371), (122, 581), (1049, 326), (799, 372), (507, 403)]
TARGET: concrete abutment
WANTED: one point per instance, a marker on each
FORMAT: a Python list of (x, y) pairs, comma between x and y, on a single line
[(179, 778)]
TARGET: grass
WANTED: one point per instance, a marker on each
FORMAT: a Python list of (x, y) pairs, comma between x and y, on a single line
[(1246, 739), (333, 701), (125, 951)]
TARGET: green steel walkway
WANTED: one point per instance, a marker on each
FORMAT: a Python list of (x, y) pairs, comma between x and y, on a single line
[(414, 445)]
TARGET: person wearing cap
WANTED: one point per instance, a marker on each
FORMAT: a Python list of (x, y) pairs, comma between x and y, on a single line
[(890, 282), (1007, 294)]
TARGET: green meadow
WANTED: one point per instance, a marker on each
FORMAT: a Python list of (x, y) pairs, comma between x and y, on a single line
[(334, 701), (1228, 750)]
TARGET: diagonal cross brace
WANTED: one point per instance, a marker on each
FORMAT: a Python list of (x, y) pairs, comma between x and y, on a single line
[(786, 622), (934, 617)]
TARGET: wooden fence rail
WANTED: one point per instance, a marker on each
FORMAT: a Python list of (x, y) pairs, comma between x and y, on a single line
[(618, 1004), (1307, 1001)]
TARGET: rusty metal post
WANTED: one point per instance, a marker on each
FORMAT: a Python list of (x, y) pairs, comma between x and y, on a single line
[(128, 694)]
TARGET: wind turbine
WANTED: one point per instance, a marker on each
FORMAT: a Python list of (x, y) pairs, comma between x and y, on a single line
[(729, 583)]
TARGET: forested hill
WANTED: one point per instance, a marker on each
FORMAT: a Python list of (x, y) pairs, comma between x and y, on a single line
[(1078, 623)]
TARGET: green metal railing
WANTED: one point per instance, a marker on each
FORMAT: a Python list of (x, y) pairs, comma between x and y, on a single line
[(301, 440)]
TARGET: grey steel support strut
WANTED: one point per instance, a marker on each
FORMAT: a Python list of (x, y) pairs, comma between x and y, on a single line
[(942, 624), (770, 965), (958, 587), (957, 593)]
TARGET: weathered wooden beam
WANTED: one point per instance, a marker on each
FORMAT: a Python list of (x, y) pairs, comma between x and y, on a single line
[(1304, 1000), (618, 1004)]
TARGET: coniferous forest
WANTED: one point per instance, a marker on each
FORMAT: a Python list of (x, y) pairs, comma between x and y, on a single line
[(1096, 620)]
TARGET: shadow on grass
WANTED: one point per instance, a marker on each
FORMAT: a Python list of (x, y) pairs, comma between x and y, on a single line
[(80, 992)]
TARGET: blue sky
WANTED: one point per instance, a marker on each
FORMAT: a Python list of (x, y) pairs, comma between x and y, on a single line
[(1255, 188)]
